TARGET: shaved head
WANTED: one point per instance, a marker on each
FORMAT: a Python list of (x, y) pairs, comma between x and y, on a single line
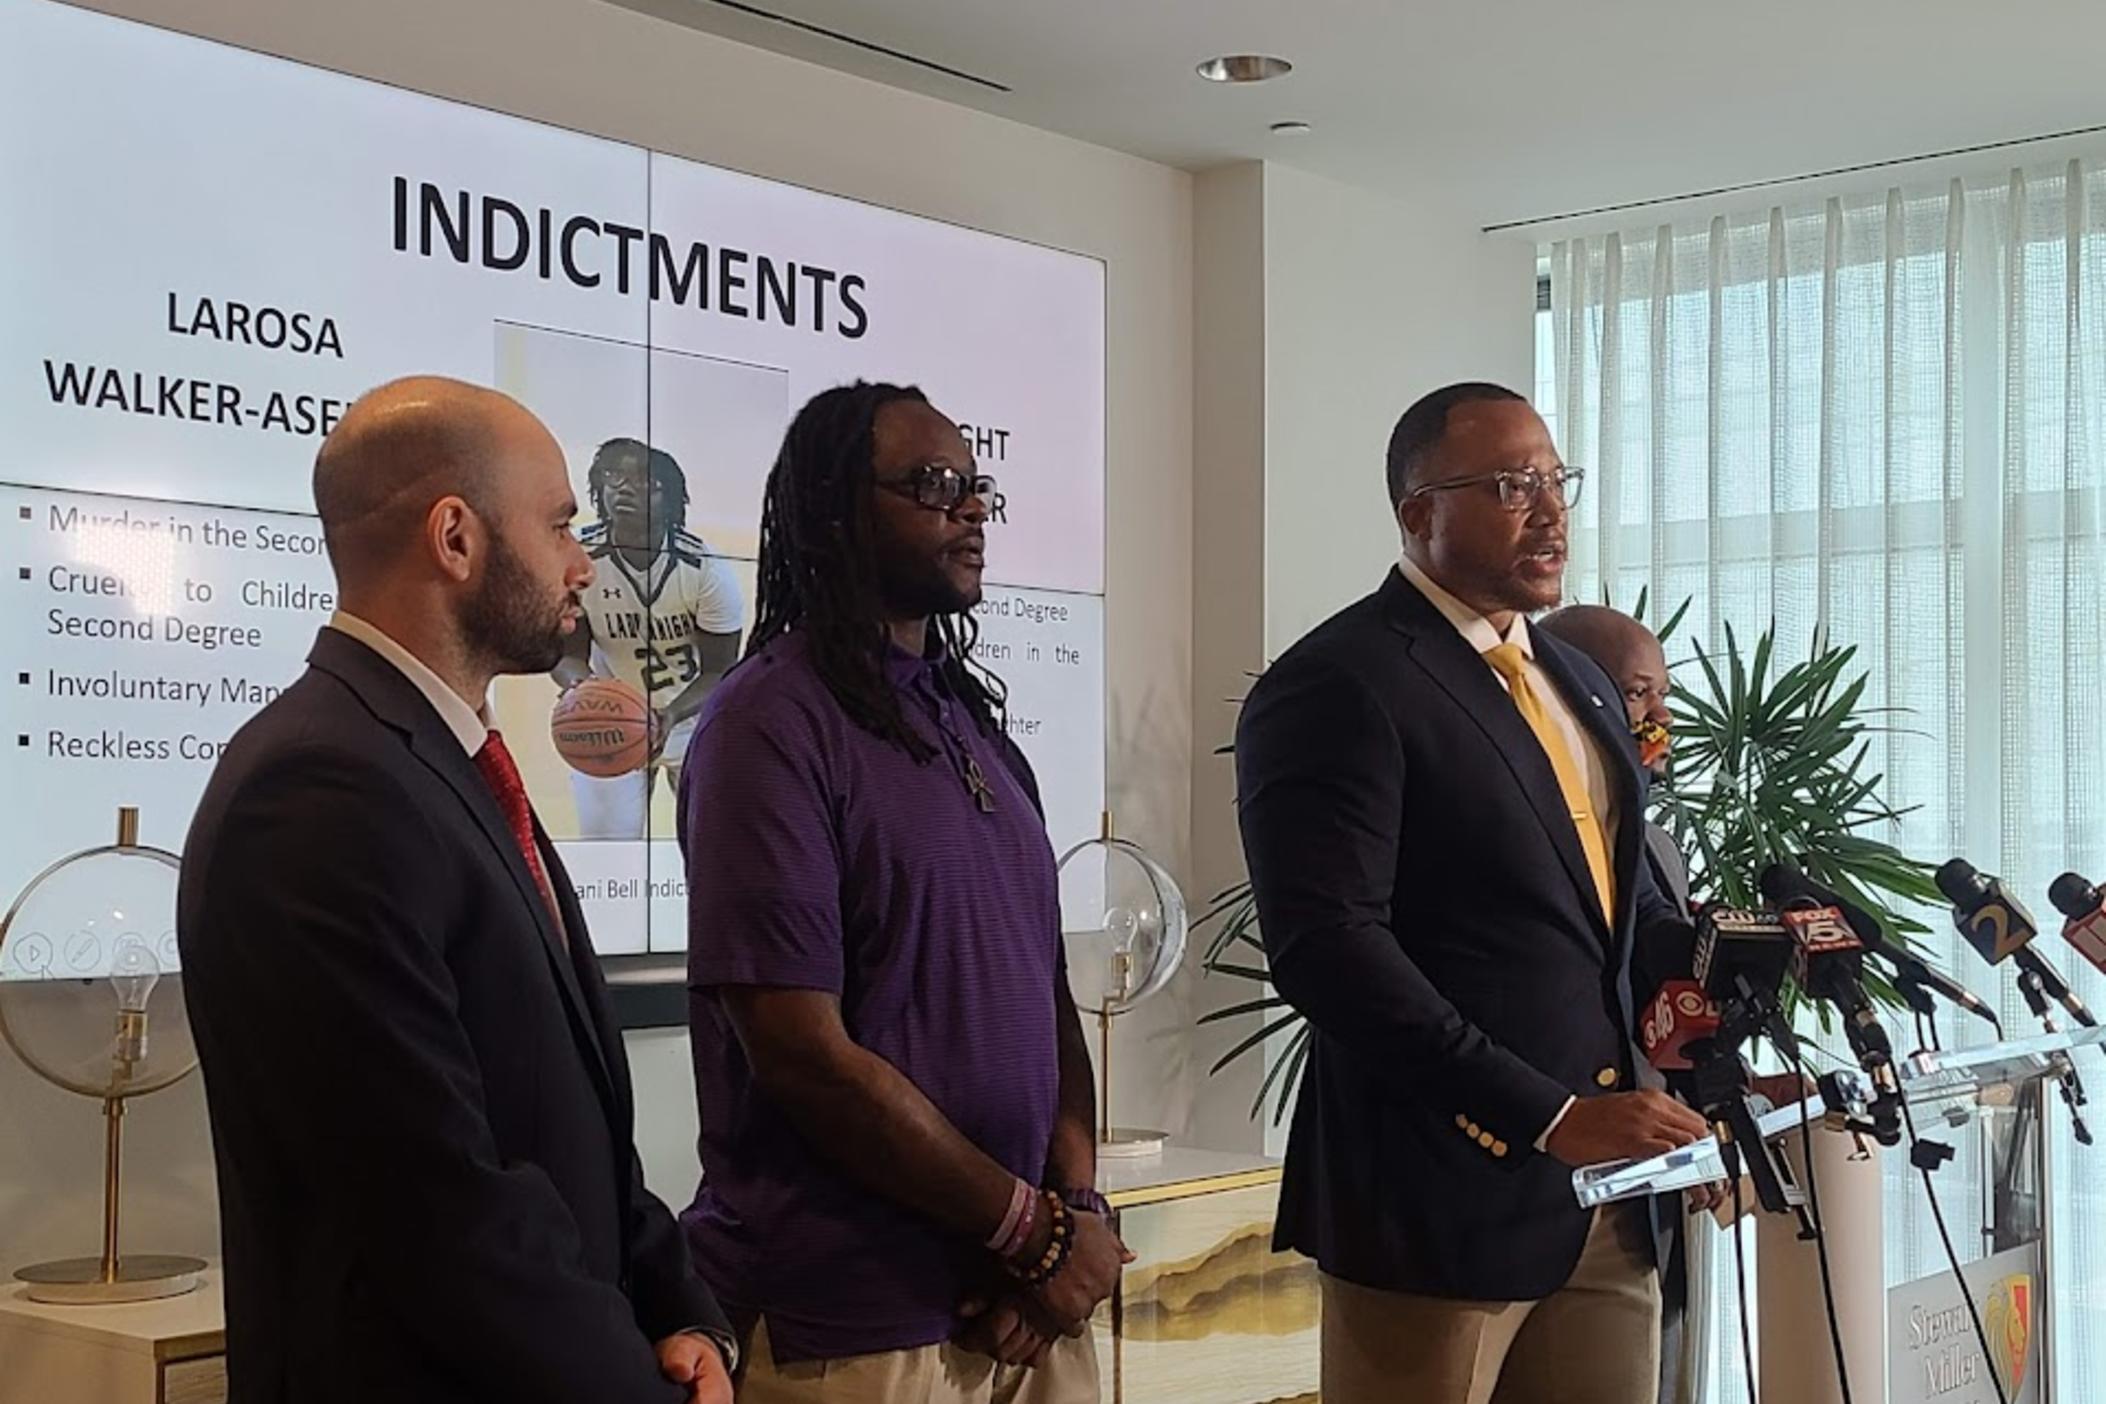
[(1632, 657), (399, 450), (447, 511), (1608, 636)]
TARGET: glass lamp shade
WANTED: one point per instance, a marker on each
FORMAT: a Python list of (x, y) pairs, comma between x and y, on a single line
[(90, 985)]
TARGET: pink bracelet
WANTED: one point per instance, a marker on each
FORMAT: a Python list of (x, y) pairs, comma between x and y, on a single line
[(1015, 1224), (1022, 1237)]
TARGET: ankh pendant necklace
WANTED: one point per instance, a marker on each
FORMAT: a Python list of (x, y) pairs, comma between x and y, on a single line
[(964, 761)]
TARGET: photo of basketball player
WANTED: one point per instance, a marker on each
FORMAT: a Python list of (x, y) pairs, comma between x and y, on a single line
[(663, 615)]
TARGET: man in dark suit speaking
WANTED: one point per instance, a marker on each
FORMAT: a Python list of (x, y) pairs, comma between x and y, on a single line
[(420, 1107), (1441, 812)]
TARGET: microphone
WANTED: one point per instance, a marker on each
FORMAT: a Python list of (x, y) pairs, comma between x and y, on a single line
[(1980, 904), (1828, 960), (1829, 963), (1680, 1013), (1732, 942), (1999, 928), (2082, 904), (1740, 960), (1911, 973), (1828, 957)]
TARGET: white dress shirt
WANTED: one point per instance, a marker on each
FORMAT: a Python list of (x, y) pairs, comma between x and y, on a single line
[(464, 721), (1477, 631)]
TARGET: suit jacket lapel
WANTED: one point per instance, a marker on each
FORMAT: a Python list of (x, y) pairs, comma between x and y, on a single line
[(395, 700), (581, 965), (1455, 667), (441, 750)]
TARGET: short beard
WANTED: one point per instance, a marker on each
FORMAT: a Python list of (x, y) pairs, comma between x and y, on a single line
[(505, 623), (915, 587)]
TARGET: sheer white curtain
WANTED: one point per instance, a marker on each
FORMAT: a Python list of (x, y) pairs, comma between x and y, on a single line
[(1882, 415)]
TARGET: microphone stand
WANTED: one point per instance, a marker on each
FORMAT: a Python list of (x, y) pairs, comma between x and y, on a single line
[(1721, 1081), (2039, 999), (1861, 1030)]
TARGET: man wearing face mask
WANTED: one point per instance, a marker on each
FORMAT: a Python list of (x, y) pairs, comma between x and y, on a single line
[(1442, 811), (1632, 656)]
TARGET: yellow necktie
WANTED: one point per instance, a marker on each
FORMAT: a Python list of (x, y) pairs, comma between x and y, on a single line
[(1508, 661)]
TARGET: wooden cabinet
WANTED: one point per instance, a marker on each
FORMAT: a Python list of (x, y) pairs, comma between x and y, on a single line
[(1208, 1313), (166, 1352)]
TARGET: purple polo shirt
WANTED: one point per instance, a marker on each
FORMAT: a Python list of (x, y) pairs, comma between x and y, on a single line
[(820, 857)]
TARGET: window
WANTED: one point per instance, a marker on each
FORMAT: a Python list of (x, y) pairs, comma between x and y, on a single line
[(1881, 417)]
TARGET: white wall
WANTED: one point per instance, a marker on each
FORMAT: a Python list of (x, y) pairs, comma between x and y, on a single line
[(619, 74), (1228, 586), (1370, 302)]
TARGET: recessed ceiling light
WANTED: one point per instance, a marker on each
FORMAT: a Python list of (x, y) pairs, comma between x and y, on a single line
[(1244, 68), (1291, 129)]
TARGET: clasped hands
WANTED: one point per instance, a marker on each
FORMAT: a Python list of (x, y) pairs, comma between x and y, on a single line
[(1020, 1327)]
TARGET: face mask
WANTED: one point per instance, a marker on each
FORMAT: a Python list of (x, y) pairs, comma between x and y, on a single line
[(1653, 741)]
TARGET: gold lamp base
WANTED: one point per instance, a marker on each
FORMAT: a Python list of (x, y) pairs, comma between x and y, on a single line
[(140, 1277)]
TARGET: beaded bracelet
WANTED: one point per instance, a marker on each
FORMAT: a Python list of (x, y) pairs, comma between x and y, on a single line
[(1058, 1247)]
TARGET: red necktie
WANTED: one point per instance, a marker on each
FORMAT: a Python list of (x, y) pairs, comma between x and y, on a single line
[(502, 776)]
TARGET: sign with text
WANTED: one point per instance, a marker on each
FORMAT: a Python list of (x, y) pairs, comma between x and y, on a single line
[(207, 254), (1934, 1355)]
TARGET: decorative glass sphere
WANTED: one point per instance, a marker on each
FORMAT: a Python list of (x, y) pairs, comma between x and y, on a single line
[(1124, 922), (90, 988)]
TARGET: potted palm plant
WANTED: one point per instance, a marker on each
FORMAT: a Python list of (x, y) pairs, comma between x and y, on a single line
[(1770, 763)]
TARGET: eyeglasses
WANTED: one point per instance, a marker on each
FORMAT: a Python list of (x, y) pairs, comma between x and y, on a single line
[(1520, 488), (940, 488)]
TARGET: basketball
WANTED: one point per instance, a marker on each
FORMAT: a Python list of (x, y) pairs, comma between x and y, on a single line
[(602, 727)]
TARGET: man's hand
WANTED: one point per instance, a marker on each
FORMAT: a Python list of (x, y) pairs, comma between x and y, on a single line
[(1780, 1090), (1009, 1329), (1705, 1199), (692, 1360), (1624, 1126), (659, 731), (1783, 1089), (1091, 1272)]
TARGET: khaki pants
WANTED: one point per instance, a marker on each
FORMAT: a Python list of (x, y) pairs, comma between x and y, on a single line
[(932, 1374), (1597, 1341)]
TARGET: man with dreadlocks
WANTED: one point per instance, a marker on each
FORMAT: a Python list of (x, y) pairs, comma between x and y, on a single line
[(663, 614), (898, 1199)]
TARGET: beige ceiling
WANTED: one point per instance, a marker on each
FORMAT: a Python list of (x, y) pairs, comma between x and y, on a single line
[(1509, 109)]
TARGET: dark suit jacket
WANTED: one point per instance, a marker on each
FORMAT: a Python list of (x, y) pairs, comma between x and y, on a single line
[(1670, 869), (420, 1107), (1424, 901)]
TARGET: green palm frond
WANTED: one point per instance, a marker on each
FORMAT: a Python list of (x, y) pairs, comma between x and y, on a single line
[(1772, 762)]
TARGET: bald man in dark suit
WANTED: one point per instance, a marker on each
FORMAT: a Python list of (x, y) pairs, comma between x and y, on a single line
[(420, 1106)]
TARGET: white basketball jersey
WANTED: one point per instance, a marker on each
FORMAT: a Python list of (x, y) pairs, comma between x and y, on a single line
[(645, 623)]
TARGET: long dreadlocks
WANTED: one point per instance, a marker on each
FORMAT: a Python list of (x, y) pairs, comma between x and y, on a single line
[(819, 574), (663, 474)]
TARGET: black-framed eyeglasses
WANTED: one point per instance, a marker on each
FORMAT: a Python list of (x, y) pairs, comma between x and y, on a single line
[(1520, 488), (939, 487)]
